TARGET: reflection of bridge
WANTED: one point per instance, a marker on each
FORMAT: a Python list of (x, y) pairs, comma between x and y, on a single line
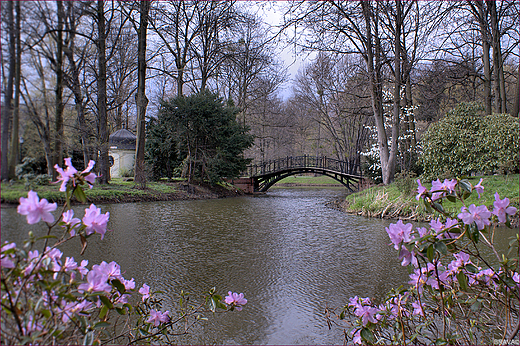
[(265, 174)]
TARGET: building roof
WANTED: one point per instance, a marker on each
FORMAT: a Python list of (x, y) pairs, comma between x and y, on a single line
[(122, 139)]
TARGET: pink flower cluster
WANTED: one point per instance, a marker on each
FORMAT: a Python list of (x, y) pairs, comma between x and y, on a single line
[(157, 317), (236, 300), (75, 290), (71, 174), (36, 210)]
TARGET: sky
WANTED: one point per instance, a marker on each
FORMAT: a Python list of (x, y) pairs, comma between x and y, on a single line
[(272, 12)]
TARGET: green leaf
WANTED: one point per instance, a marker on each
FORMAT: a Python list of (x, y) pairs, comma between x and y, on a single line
[(103, 312), (441, 247), (430, 252), (107, 302), (466, 185), (101, 325), (367, 335), (120, 287), (83, 243), (471, 268), (463, 280), (212, 305), (121, 311), (80, 194), (89, 338), (451, 198), (474, 233), (438, 207), (427, 205)]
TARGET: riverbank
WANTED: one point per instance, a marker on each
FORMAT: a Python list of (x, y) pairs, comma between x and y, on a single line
[(124, 191), (120, 191), (393, 202)]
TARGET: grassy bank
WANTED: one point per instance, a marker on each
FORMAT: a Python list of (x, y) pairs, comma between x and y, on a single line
[(307, 180), (390, 202), (119, 191)]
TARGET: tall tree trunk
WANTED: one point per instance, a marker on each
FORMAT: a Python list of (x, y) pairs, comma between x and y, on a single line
[(484, 33), (102, 95), (388, 176), (75, 85), (142, 101), (15, 135), (372, 59), (58, 121), (8, 96), (500, 97)]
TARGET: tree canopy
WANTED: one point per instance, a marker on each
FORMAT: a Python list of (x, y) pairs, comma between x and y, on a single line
[(203, 130)]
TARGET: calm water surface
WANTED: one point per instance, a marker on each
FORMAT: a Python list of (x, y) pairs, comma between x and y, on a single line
[(290, 254)]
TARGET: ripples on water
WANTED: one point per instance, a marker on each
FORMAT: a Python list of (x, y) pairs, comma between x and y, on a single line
[(290, 254)]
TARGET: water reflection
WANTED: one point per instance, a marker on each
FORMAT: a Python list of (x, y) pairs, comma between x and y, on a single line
[(287, 251)]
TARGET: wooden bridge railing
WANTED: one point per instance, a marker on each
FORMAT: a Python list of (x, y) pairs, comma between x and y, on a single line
[(291, 162)]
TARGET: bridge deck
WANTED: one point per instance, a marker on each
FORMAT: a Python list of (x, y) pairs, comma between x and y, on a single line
[(266, 174)]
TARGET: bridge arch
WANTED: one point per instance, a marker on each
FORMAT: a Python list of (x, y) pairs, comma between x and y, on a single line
[(266, 183), (267, 173)]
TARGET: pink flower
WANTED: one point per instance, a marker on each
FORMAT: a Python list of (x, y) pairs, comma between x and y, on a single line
[(367, 314), (448, 186), (70, 221), (158, 317), (516, 278), (501, 208), (356, 336), (417, 309), (71, 173), (479, 188), (65, 175), (95, 221), (35, 209), (407, 257), (70, 264), (83, 268), (145, 291), (112, 270), (461, 260), (399, 232), (421, 190), (5, 259), (422, 231), (486, 275), (96, 282), (417, 278), (354, 302), (480, 215), (235, 299), (90, 178), (129, 284)]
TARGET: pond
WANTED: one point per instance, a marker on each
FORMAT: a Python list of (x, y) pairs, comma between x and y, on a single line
[(290, 254)]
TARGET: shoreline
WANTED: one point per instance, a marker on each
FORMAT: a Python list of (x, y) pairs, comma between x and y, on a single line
[(183, 193)]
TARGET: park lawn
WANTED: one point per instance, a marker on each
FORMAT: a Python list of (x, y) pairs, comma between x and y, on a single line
[(389, 201), (116, 190), (309, 180)]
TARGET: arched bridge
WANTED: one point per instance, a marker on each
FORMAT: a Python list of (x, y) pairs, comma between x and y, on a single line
[(263, 175)]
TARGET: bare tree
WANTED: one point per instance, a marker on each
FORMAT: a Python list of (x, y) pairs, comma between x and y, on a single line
[(332, 90), (141, 100), (10, 153), (175, 22)]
